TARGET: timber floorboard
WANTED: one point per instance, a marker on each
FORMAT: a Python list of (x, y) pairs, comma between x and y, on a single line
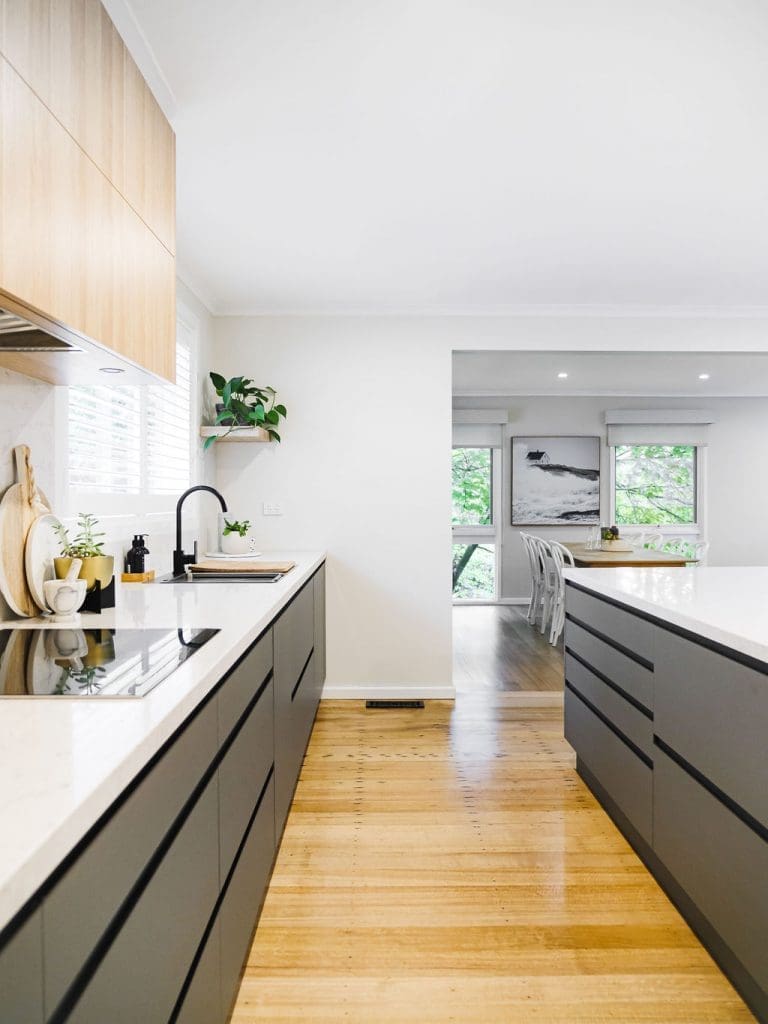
[(449, 865), (495, 647)]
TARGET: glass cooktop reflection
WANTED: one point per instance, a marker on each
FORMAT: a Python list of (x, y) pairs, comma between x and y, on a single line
[(66, 662)]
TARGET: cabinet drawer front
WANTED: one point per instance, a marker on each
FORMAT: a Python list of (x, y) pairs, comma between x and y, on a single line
[(627, 674), (202, 1002), (714, 712), (79, 908), (719, 861), (620, 772), (21, 975), (242, 902), (141, 976), (294, 638), (243, 684), (320, 629), (635, 725), (629, 630), (242, 775)]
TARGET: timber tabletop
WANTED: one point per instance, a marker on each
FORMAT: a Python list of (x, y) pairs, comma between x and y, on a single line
[(637, 558)]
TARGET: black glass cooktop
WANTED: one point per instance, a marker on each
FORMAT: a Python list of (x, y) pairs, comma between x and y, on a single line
[(69, 662)]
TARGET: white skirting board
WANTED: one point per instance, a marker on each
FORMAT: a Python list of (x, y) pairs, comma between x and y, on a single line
[(370, 691)]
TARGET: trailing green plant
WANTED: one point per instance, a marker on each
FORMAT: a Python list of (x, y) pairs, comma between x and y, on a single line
[(244, 404), (86, 543), (241, 528), (609, 533)]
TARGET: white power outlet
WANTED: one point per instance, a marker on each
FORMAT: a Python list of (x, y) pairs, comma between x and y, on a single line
[(272, 508)]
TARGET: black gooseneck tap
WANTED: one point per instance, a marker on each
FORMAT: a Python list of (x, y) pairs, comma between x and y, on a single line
[(180, 560)]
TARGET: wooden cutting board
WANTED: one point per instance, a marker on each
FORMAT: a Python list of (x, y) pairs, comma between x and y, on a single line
[(249, 566), (20, 507)]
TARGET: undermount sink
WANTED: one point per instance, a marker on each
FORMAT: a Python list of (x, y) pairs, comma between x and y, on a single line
[(225, 577)]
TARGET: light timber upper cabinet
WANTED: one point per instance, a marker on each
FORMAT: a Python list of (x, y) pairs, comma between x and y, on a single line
[(87, 182)]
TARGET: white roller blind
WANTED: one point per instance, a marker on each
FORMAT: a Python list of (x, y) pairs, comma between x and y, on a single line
[(658, 426), (477, 435)]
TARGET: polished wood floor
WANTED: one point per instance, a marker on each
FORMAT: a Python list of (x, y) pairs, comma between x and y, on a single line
[(494, 647), (448, 865)]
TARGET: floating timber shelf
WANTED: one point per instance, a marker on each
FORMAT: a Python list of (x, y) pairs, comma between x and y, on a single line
[(240, 434)]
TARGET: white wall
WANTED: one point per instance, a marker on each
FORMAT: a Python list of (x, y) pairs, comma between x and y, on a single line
[(737, 472), (364, 470)]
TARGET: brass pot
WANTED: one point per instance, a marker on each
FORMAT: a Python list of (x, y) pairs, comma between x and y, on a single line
[(95, 567)]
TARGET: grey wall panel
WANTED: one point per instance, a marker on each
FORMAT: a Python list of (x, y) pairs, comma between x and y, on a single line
[(242, 775), (629, 630), (626, 673), (141, 976), (242, 684), (624, 776), (244, 897), (632, 722), (714, 712), (21, 975), (79, 908), (720, 863)]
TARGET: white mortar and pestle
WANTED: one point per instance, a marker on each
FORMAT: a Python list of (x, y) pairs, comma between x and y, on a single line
[(64, 597)]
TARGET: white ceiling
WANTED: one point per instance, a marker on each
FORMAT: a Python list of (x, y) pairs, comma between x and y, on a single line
[(473, 156), (504, 374)]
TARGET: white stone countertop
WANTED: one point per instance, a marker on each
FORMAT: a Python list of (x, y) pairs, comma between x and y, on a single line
[(64, 760), (728, 605)]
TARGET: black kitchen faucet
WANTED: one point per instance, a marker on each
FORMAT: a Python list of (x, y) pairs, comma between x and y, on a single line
[(181, 560)]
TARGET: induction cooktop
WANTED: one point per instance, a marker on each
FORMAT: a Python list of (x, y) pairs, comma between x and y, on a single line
[(75, 662)]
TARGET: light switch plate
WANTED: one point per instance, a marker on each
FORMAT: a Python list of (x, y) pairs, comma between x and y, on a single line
[(272, 508)]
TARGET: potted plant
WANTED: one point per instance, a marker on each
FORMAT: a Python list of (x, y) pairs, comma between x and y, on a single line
[(87, 546), (244, 404), (610, 540), (235, 537)]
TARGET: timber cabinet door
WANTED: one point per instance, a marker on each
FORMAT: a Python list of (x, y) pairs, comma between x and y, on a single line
[(87, 183)]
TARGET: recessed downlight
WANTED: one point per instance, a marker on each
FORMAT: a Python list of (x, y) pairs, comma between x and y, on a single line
[(111, 369), (703, 376), (562, 376)]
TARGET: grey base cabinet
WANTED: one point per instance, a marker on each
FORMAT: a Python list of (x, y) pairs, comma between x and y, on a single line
[(670, 732), (152, 919)]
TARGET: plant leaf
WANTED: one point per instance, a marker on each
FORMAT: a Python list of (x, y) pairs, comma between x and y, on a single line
[(274, 434), (218, 381), (280, 410), (209, 441)]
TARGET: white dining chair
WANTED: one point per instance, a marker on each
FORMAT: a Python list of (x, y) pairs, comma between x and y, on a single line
[(536, 575), (654, 541), (561, 558), (700, 549), (547, 585)]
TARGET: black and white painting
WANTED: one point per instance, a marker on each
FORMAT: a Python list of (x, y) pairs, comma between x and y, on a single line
[(555, 481)]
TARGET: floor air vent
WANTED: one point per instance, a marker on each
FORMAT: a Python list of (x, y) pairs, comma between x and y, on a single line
[(387, 704)]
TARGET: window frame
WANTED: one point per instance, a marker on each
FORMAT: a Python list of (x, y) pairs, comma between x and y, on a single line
[(490, 532), (695, 529)]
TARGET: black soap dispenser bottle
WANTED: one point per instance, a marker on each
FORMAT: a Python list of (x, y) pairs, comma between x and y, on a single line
[(136, 559)]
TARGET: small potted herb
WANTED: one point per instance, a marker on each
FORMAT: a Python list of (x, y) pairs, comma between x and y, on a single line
[(245, 405), (610, 540), (88, 546), (236, 537)]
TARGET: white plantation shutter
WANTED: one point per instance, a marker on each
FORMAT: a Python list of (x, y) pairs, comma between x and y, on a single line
[(169, 425), (105, 439), (132, 440)]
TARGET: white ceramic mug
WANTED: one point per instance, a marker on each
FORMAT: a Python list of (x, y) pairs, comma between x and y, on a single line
[(64, 598)]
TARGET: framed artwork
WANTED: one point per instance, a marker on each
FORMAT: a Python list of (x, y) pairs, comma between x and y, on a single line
[(555, 481)]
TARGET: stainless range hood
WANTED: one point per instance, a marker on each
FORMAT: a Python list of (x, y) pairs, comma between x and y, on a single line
[(39, 346), (19, 335)]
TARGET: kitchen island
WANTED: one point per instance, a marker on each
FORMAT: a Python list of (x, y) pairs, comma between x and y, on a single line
[(666, 706), (137, 835)]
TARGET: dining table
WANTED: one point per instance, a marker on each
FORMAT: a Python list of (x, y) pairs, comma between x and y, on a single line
[(637, 558)]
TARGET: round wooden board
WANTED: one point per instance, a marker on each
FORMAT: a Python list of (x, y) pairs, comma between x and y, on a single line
[(20, 507)]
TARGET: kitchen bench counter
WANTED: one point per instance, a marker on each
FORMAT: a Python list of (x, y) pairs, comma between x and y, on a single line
[(666, 706), (64, 761)]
